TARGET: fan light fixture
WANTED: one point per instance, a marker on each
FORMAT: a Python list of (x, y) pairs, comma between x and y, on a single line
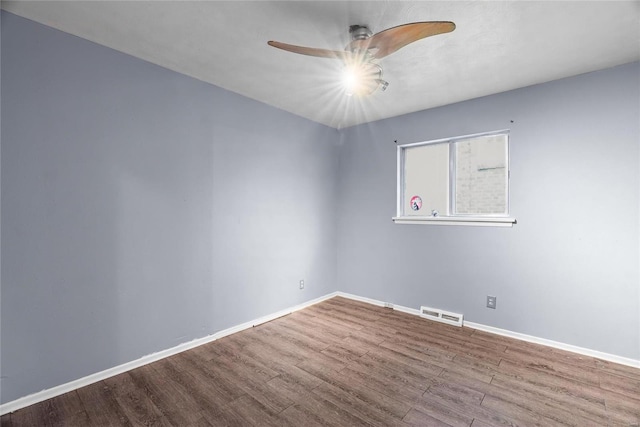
[(361, 75)]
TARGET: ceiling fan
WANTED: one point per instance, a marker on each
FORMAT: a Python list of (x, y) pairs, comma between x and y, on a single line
[(362, 74)]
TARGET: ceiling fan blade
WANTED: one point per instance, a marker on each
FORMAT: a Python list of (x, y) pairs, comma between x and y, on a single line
[(390, 40), (311, 51)]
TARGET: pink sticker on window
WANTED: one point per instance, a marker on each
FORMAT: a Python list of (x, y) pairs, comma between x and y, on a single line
[(416, 203)]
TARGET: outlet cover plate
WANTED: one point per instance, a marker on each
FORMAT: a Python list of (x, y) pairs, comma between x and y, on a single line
[(491, 301)]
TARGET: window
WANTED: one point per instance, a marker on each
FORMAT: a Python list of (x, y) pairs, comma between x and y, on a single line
[(462, 181)]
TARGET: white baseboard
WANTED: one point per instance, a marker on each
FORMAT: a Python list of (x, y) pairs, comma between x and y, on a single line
[(40, 396), (361, 299), (517, 335), (379, 303)]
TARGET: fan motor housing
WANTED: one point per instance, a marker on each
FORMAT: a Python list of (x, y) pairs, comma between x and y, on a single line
[(359, 32)]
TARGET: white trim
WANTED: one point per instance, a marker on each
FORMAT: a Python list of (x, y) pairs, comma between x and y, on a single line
[(40, 396), (455, 138), (516, 335), (456, 220), (379, 303), (362, 299), (399, 181)]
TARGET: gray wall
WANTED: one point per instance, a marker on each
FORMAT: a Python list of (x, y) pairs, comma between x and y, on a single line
[(142, 209), (568, 271)]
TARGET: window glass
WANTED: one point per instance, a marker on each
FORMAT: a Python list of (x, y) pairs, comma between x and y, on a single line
[(481, 175), (426, 180)]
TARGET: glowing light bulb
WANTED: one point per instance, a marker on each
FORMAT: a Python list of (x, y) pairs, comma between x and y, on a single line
[(351, 77), (362, 78)]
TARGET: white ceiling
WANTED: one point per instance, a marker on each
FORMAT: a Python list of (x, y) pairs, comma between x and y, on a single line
[(497, 46)]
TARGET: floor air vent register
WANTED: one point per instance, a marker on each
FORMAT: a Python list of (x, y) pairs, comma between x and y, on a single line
[(442, 316)]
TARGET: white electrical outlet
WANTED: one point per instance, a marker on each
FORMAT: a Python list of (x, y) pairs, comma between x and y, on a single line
[(301, 284)]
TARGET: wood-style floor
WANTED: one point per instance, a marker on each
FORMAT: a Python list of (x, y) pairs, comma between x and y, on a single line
[(346, 363)]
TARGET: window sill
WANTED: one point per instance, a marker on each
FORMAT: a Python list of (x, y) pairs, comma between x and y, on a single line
[(441, 220)]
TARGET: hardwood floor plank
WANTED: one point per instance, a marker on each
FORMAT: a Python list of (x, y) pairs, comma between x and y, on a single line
[(418, 349), (312, 323), (558, 414), (267, 354), (443, 387), (444, 413), (465, 371), (227, 354), (520, 396), (550, 353), (550, 380), (359, 315), (387, 329), (328, 412), (522, 413), (200, 422), (101, 406), (583, 374), (417, 324), (360, 341), (398, 369), (620, 384), (405, 364), (300, 340), (367, 410), (478, 423), (244, 365), (299, 416), (622, 410), (384, 383), (615, 368), (178, 407), (371, 335), (289, 387), (63, 410), (321, 362), (137, 406), (252, 386), (582, 406), (253, 412), (336, 322), (471, 411), (455, 346), (353, 386), (221, 416), (377, 333), (342, 354), (281, 349), (420, 419), (361, 311), (194, 384), (498, 406), (23, 417)]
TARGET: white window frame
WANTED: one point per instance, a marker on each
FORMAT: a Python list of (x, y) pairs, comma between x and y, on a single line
[(450, 218)]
